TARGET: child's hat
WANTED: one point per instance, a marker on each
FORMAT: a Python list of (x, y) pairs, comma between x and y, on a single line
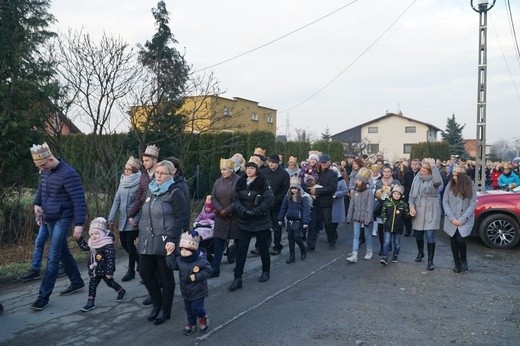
[(99, 224), (398, 188), (190, 241), (208, 203), (364, 174), (294, 182)]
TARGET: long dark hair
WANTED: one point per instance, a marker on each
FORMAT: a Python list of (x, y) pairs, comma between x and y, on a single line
[(463, 186)]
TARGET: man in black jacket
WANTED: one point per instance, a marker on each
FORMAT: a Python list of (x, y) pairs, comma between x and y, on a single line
[(279, 180), (409, 176), (326, 186)]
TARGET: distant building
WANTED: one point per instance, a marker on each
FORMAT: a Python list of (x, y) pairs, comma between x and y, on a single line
[(470, 145), (391, 135), (219, 114), (61, 124)]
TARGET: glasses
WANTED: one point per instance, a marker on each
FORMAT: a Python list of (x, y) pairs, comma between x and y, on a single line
[(161, 173)]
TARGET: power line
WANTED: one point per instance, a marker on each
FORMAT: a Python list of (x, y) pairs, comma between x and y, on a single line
[(279, 38), (513, 31), (355, 60)]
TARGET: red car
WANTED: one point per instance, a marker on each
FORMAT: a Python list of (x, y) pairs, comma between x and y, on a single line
[(497, 218)]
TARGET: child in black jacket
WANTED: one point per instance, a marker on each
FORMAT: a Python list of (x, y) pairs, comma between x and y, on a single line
[(102, 261), (393, 213), (194, 271)]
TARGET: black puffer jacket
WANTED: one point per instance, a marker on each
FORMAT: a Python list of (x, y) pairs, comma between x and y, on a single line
[(198, 265), (105, 258), (257, 197)]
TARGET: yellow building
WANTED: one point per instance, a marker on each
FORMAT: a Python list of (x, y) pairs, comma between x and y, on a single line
[(218, 114)]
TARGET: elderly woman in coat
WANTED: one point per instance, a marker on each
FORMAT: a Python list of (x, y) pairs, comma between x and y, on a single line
[(425, 208), (338, 203), (459, 202), (225, 218)]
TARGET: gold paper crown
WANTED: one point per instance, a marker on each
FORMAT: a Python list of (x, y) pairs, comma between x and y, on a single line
[(259, 152), (40, 152), (364, 174), (227, 164), (189, 242), (135, 163), (151, 151), (256, 160), (399, 189)]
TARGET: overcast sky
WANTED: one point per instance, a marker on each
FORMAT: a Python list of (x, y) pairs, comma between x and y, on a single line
[(425, 65)]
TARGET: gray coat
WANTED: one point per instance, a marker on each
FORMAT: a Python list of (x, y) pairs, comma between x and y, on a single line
[(361, 207), (424, 197), (338, 202), (124, 200), (462, 209)]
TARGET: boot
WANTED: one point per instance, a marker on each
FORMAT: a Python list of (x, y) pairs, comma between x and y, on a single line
[(291, 258), (153, 314), (130, 274), (161, 317), (264, 277), (237, 283), (463, 259), (215, 273), (431, 254), (302, 247), (89, 306), (464, 265), (456, 258), (420, 248), (353, 257)]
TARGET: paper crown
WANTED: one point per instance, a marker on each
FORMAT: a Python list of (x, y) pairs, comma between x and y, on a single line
[(227, 164), (40, 152), (259, 152), (151, 151), (364, 174), (99, 224), (256, 160), (190, 241), (398, 188), (135, 163)]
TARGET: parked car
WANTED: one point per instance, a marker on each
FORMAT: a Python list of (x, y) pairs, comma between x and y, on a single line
[(497, 218)]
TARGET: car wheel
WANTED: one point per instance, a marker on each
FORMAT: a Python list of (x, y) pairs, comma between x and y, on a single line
[(499, 231)]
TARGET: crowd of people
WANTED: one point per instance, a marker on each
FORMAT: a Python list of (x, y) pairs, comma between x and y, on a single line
[(259, 197)]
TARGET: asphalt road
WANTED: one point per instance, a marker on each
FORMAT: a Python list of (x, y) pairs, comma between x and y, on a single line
[(322, 300)]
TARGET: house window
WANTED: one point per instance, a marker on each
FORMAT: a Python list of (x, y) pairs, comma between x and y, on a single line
[(410, 129), (270, 118), (226, 112), (372, 129), (254, 116), (372, 148), (407, 148)]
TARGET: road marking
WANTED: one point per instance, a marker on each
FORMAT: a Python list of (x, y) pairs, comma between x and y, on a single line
[(213, 330)]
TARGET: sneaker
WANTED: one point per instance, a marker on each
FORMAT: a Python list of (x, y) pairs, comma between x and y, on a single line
[(352, 258), (203, 323), (147, 301), (189, 329), (61, 271), (32, 274), (71, 289), (395, 259), (121, 295), (369, 255), (39, 304), (89, 306), (384, 261)]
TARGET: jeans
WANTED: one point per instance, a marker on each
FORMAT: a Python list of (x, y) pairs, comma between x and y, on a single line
[(368, 236), (194, 309), (218, 251), (394, 238), (59, 249), (39, 244), (430, 235)]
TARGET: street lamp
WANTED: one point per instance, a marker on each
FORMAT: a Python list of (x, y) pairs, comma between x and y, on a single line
[(480, 167)]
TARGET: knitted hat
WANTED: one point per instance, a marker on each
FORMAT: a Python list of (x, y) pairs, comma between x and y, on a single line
[(99, 224), (294, 182), (208, 203), (190, 241), (239, 161), (274, 158), (151, 151), (364, 174), (40, 153), (398, 188), (135, 163), (227, 164), (313, 154)]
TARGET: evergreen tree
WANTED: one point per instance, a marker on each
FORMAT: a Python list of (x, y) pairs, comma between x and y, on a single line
[(326, 136), (26, 86), (453, 135)]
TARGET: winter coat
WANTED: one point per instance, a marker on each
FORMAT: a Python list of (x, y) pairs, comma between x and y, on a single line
[(257, 197), (424, 198), (504, 180), (61, 195), (293, 172), (279, 182), (197, 265), (328, 179), (495, 175), (142, 190), (180, 182), (124, 200), (105, 258), (162, 215), (361, 208), (295, 210), (462, 209), (338, 202), (409, 176), (393, 214), (222, 198)]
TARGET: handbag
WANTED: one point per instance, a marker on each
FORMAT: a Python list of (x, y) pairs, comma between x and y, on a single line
[(294, 225)]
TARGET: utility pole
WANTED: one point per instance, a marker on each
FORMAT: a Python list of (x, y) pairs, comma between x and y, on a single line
[(480, 168)]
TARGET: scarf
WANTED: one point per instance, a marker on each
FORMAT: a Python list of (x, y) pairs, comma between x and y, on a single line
[(293, 172), (387, 181), (418, 187), (97, 244), (129, 181), (158, 189)]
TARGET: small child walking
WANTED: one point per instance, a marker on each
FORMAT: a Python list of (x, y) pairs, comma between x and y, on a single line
[(361, 213), (194, 271), (102, 261), (296, 208), (393, 214)]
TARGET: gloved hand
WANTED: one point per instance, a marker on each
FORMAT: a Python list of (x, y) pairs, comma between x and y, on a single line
[(224, 213), (280, 223)]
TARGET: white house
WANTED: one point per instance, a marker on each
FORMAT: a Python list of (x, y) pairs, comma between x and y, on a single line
[(391, 135)]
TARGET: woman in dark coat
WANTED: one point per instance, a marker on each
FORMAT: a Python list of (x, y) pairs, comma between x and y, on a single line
[(252, 202), (226, 219)]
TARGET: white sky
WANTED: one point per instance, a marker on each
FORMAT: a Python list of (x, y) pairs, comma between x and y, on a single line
[(425, 65)]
